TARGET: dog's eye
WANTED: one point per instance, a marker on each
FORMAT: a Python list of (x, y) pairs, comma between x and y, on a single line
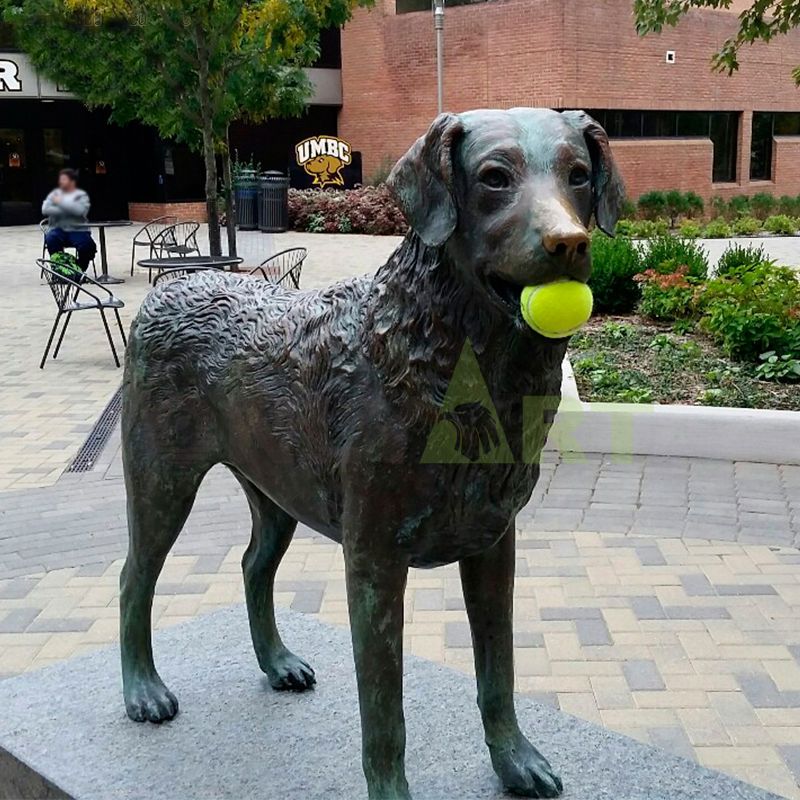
[(579, 176), (495, 178)]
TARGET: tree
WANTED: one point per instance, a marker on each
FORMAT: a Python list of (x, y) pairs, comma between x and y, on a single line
[(187, 67), (762, 21)]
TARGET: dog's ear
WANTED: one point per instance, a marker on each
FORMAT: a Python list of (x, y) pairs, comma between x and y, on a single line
[(607, 186), (422, 181)]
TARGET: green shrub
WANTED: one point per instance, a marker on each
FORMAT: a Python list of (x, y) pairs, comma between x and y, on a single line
[(739, 205), (696, 205), (778, 368), (762, 205), (717, 229), (652, 204), (780, 223), (666, 254), (627, 209), (719, 206), (648, 228), (746, 226), (625, 227), (689, 229), (788, 205), (675, 206), (737, 259), (667, 297), (754, 311), (614, 263)]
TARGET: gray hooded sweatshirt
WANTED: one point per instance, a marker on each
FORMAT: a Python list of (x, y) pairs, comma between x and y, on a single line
[(70, 213)]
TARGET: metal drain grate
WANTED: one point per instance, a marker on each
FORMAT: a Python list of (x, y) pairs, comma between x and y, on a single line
[(97, 438)]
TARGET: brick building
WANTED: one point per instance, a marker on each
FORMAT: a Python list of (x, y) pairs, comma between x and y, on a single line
[(674, 122)]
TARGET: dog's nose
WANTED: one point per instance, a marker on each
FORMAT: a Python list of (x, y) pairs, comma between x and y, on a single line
[(569, 245)]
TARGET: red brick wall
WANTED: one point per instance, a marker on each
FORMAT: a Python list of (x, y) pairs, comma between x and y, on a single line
[(144, 212), (560, 53), (648, 164), (785, 167)]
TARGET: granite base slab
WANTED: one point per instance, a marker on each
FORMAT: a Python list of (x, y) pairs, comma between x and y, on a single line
[(64, 733)]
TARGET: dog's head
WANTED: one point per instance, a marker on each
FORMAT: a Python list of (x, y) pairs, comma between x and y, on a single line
[(509, 195)]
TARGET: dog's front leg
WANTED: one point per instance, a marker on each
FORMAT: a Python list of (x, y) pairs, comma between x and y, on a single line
[(376, 580), (488, 583)]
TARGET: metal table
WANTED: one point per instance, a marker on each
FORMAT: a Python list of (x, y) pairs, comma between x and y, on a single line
[(189, 263), (101, 227)]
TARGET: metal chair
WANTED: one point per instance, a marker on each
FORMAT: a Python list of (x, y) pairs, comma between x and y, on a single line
[(284, 266), (146, 235), (66, 293), (43, 227), (174, 273), (177, 240)]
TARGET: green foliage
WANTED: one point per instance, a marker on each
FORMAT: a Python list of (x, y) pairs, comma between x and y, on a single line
[(614, 263), (739, 206), (689, 229), (781, 224), (652, 205), (665, 254), (627, 209), (666, 297), (648, 228), (754, 311), (717, 229), (695, 203), (778, 368), (746, 226), (738, 258), (788, 205), (719, 206), (675, 205), (762, 205)]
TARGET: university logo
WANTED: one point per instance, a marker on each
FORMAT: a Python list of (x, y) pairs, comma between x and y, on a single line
[(323, 158)]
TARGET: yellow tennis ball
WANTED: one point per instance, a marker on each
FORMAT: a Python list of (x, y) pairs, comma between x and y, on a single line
[(557, 309)]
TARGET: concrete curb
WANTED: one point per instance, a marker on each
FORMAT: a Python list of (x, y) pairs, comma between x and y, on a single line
[(734, 434)]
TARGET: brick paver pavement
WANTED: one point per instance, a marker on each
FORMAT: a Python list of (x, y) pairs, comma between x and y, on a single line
[(655, 596)]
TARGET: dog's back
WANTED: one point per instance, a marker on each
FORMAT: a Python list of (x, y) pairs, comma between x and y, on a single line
[(226, 368)]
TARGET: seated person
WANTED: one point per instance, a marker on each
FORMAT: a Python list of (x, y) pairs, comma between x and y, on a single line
[(67, 209)]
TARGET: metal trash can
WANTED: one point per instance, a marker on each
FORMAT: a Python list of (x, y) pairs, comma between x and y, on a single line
[(273, 203), (245, 192)]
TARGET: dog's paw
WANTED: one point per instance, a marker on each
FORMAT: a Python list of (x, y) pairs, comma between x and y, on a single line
[(288, 672), (150, 701), (524, 770)]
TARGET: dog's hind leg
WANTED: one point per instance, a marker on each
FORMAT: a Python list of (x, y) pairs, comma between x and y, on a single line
[(488, 583), (273, 529), (160, 497)]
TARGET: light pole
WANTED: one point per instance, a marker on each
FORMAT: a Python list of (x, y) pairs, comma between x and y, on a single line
[(438, 26)]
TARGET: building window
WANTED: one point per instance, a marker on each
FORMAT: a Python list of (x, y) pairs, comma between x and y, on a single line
[(722, 127), (407, 6), (767, 125)]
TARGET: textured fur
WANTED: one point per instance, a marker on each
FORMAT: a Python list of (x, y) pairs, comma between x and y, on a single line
[(325, 404)]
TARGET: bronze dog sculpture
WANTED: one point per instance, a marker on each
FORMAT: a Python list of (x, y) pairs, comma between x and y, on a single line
[(321, 404)]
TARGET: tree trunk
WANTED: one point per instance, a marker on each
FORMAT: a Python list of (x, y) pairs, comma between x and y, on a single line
[(230, 207), (209, 151), (212, 209)]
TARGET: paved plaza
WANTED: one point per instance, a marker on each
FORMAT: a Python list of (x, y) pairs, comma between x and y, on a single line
[(658, 597)]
